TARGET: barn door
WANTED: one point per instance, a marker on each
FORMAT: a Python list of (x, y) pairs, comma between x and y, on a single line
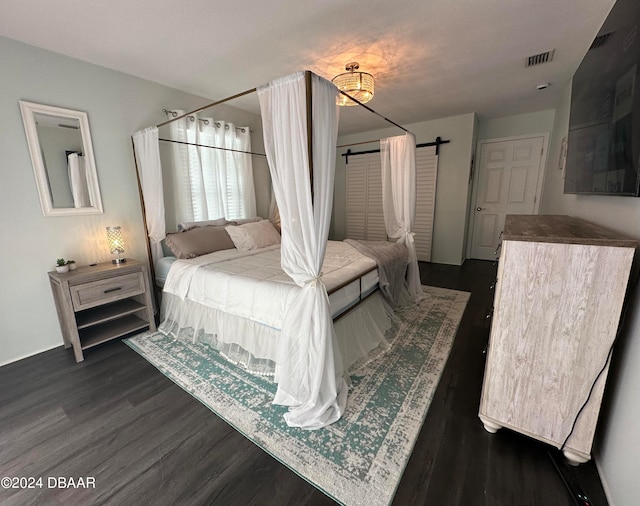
[(365, 218)]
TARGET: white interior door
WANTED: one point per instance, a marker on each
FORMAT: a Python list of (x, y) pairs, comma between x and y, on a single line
[(507, 183)]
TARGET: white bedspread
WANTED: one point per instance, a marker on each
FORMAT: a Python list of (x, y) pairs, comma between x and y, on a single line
[(252, 284)]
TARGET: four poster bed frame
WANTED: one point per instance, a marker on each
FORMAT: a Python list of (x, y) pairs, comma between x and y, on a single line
[(354, 281)]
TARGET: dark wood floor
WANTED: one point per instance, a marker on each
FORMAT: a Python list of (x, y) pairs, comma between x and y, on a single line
[(144, 440)]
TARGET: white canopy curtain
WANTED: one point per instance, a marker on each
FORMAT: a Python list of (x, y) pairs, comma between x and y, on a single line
[(78, 180), (212, 183), (274, 213), (145, 144), (309, 368), (398, 157)]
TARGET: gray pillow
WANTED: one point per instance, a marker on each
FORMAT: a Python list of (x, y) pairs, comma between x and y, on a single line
[(198, 241)]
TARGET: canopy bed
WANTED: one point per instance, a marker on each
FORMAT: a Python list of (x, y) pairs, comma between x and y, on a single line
[(269, 300)]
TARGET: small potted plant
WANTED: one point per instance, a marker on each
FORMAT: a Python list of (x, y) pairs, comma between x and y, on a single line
[(61, 265), (72, 265)]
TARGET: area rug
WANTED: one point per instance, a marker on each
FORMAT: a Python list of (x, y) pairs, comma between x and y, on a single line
[(358, 460)]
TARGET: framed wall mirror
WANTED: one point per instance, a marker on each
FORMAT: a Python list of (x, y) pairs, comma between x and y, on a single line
[(62, 158)]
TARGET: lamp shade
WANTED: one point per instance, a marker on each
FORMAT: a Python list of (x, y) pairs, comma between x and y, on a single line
[(358, 85), (116, 243)]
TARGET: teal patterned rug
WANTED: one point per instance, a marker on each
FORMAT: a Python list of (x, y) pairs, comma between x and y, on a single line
[(358, 460)]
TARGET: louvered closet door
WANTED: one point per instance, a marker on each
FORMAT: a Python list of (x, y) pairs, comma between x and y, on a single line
[(356, 198), (426, 175), (365, 218), (376, 230)]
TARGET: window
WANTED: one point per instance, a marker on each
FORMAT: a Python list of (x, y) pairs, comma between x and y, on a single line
[(212, 183)]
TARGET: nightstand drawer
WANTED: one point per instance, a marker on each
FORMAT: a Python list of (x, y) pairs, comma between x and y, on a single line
[(100, 292)]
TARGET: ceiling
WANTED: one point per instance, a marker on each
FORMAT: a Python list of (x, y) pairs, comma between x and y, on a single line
[(431, 59)]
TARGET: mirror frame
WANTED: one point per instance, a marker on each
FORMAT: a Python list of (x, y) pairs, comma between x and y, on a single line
[(28, 110)]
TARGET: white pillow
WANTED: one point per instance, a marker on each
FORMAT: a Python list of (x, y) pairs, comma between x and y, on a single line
[(188, 225), (255, 235), (245, 220)]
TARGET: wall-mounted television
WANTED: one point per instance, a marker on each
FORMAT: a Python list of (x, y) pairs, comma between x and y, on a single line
[(603, 152)]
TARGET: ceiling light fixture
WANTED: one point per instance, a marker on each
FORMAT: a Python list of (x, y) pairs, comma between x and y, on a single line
[(358, 85)]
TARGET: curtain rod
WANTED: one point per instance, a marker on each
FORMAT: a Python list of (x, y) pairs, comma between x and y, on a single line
[(205, 121), (349, 153), (238, 95), (212, 147)]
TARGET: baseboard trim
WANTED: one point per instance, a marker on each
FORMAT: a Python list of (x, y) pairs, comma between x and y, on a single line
[(603, 480), (28, 355)]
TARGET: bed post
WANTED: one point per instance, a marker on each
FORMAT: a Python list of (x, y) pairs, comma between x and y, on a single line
[(308, 85), (146, 235)]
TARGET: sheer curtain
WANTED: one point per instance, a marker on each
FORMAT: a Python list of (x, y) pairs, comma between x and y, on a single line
[(309, 369), (78, 180), (145, 143), (398, 157), (212, 183), (274, 213)]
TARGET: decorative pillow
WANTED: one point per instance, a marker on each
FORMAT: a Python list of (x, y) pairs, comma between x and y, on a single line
[(198, 241), (220, 222), (245, 220), (259, 234), (188, 225)]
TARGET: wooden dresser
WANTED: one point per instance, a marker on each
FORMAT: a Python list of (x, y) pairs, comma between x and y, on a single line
[(559, 294), (102, 302)]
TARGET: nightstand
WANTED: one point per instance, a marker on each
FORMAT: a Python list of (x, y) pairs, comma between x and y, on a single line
[(102, 302)]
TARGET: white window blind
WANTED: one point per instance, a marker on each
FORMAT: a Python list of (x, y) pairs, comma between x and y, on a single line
[(365, 219)]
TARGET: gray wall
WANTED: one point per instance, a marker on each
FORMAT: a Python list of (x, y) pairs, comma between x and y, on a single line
[(617, 437), (117, 105), (452, 190)]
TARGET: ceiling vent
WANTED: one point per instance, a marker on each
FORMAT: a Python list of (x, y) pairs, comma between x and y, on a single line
[(538, 59), (600, 40)]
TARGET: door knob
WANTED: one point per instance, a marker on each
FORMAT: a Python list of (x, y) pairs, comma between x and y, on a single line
[(479, 208)]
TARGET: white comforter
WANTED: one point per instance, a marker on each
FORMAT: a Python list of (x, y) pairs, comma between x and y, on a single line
[(252, 284)]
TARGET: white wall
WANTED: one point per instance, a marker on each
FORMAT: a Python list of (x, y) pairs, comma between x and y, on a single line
[(618, 437), (452, 190), (117, 105), (519, 124)]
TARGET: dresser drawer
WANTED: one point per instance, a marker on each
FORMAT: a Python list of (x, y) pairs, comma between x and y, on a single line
[(103, 291)]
